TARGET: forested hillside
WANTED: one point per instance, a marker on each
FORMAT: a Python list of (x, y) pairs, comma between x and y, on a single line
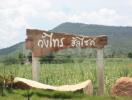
[(119, 39)]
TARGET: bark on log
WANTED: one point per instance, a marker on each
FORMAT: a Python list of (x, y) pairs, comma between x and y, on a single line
[(23, 83)]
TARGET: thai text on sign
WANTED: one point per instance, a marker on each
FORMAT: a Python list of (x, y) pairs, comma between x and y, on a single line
[(47, 41)]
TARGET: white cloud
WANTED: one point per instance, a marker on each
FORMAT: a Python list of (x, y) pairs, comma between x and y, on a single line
[(13, 18), (102, 16), (17, 15)]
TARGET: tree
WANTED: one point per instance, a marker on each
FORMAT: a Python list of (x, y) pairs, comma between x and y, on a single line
[(21, 58), (129, 55), (10, 60), (29, 57), (47, 59)]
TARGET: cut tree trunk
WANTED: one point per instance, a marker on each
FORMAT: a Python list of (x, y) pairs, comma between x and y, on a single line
[(23, 83)]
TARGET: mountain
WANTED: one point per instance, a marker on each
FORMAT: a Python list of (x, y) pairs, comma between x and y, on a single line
[(13, 50), (119, 37)]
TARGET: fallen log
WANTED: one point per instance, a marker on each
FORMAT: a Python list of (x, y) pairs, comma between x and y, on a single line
[(122, 87), (23, 83)]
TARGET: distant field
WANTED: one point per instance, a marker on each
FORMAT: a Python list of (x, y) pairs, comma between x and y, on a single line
[(71, 73)]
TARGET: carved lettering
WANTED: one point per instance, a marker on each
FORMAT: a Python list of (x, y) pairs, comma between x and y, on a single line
[(47, 41)]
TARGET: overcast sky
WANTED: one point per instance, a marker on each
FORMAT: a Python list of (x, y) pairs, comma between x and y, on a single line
[(17, 15)]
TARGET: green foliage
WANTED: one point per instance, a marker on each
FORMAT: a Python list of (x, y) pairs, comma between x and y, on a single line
[(69, 73), (29, 57), (59, 59), (58, 94), (21, 58), (10, 60), (1, 86), (129, 55), (13, 50), (28, 94), (47, 59), (53, 95), (16, 59), (72, 73)]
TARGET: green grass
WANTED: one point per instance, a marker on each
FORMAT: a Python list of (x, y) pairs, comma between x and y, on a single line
[(54, 95), (72, 73)]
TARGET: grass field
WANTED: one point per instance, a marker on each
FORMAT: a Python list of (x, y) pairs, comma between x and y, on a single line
[(42, 95), (71, 73)]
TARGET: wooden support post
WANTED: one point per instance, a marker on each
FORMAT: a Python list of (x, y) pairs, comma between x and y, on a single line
[(35, 68), (100, 71)]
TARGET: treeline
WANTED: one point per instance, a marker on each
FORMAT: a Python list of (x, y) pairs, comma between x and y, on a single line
[(52, 58), (17, 59)]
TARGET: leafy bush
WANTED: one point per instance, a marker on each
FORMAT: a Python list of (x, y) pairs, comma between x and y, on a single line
[(10, 60), (129, 55), (47, 59), (21, 58)]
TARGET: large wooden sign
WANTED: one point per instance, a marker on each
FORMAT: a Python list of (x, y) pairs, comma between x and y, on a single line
[(44, 42)]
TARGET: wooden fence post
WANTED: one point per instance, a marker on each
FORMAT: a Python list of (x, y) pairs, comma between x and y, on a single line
[(100, 71), (35, 68)]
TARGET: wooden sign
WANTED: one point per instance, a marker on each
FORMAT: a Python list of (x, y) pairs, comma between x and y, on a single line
[(43, 42)]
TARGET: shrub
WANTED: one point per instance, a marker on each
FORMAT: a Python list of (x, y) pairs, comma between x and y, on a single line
[(129, 55)]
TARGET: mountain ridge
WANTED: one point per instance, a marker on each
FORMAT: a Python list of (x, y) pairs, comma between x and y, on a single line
[(119, 37)]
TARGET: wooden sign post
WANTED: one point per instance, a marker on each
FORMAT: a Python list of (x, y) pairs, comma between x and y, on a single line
[(41, 43), (35, 68), (100, 71)]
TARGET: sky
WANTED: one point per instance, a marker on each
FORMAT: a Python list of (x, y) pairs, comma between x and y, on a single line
[(18, 15)]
